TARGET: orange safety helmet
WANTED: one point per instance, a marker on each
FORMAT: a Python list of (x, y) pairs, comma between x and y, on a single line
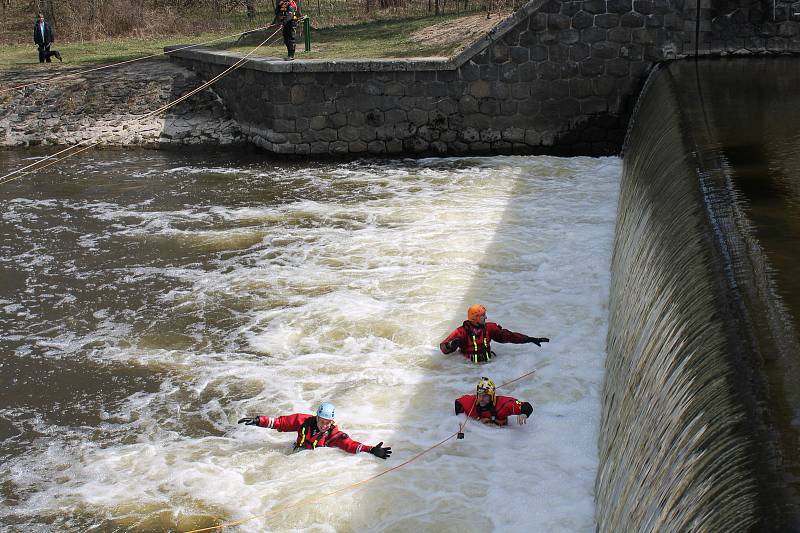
[(475, 311)]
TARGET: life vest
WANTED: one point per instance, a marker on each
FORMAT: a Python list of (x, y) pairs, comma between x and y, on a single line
[(309, 436), (478, 348), (288, 11), (488, 414)]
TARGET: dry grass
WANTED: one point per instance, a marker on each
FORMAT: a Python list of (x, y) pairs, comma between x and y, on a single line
[(91, 53), (88, 20), (94, 20), (419, 37), (457, 31)]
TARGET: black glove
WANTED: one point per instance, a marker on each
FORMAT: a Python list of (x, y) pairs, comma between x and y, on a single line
[(249, 420), (383, 453), (454, 345), (537, 340)]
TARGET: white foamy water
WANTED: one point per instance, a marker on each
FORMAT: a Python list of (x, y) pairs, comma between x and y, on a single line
[(343, 295)]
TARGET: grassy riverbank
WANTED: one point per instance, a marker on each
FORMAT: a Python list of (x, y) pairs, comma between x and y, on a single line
[(20, 57), (417, 37), (421, 37)]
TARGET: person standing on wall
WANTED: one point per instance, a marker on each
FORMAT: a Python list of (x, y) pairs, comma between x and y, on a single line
[(43, 37), (287, 13)]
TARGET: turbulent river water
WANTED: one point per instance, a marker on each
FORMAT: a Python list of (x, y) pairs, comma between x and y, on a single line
[(150, 299)]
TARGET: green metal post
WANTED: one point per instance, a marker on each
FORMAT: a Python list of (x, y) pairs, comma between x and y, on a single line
[(307, 33)]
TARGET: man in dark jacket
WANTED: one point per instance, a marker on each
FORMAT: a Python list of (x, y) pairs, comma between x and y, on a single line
[(43, 37)]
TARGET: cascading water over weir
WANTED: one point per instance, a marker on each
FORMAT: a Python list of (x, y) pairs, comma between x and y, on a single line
[(692, 436)]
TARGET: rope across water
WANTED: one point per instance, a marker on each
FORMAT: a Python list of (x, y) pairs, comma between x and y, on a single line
[(89, 143), (357, 484)]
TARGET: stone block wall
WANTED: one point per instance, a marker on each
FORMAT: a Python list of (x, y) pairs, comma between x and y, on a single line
[(556, 77), (744, 27), (113, 110)]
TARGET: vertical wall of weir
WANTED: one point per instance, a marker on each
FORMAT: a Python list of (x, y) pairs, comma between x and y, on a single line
[(672, 455), (694, 432)]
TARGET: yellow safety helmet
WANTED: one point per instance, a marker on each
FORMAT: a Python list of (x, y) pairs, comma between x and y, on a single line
[(486, 386)]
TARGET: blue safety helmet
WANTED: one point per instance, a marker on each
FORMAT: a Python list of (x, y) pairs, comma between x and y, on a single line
[(326, 410)]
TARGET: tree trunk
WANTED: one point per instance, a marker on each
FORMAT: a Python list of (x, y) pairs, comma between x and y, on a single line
[(93, 16), (46, 8), (251, 8)]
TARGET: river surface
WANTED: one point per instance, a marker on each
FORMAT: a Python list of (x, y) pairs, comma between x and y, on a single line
[(150, 299)]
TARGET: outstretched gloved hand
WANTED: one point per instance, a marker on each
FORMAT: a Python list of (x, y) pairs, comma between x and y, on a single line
[(383, 453), (249, 421), (537, 340), (454, 345)]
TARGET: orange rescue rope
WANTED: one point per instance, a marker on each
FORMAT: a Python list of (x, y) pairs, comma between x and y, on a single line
[(33, 167)]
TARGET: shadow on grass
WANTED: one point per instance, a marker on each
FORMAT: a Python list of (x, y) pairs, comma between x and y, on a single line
[(373, 39)]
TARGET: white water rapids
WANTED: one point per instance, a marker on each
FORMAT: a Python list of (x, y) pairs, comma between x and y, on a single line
[(340, 291)]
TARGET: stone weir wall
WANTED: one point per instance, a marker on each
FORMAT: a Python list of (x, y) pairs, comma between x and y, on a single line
[(68, 107), (556, 77)]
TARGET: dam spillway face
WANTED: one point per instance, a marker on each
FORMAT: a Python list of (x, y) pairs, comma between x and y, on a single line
[(672, 455), (699, 426)]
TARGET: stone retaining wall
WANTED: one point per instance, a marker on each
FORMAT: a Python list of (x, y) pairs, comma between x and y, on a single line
[(555, 77), (108, 106)]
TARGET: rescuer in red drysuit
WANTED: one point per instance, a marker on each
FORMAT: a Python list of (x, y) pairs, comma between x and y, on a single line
[(485, 406), (316, 431), (474, 336)]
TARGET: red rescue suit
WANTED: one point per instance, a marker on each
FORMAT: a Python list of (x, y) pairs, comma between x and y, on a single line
[(309, 436), (474, 340), (504, 406)]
